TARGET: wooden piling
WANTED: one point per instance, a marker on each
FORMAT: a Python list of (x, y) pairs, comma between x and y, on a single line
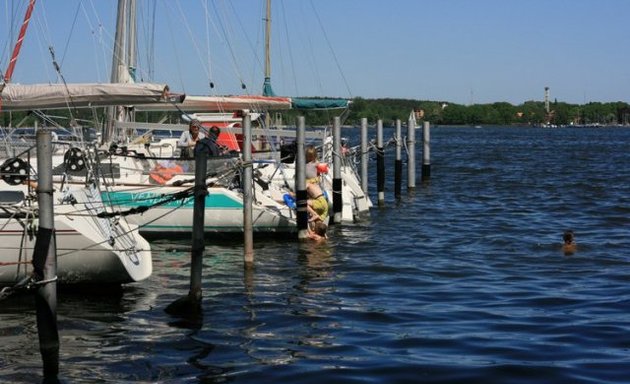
[(190, 306), (300, 180), (411, 153), (364, 155), (398, 161), (380, 163), (248, 200), (426, 151), (45, 261), (336, 182)]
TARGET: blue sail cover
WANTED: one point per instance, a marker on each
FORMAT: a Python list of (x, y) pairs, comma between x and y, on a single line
[(316, 103), (267, 90), (308, 103)]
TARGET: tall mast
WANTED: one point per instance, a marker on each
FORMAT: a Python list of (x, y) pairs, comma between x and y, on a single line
[(131, 41), (18, 45), (267, 91), (121, 61), (118, 57)]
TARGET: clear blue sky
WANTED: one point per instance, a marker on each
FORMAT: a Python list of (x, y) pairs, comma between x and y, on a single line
[(462, 51)]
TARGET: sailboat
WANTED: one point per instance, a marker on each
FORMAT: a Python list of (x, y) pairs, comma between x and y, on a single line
[(356, 203), (138, 180), (90, 248)]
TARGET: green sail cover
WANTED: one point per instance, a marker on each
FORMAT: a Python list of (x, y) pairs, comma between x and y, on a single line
[(267, 90), (307, 103)]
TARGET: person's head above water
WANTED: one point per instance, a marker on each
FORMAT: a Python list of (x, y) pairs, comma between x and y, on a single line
[(568, 237), (568, 247)]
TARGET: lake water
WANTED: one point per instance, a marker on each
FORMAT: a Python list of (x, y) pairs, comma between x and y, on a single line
[(461, 281)]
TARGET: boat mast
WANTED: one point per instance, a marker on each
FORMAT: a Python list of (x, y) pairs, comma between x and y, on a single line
[(118, 57), (267, 91), (123, 61), (131, 42), (18, 45)]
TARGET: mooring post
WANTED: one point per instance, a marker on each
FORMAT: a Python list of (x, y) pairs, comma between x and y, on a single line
[(190, 305), (300, 180), (336, 182), (364, 155), (380, 163), (411, 153), (248, 200), (426, 151), (45, 261), (398, 161)]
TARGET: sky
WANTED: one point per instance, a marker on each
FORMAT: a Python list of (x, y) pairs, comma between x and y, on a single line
[(458, 51)]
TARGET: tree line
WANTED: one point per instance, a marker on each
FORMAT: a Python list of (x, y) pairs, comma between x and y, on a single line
[(499, 113), (387, 109)]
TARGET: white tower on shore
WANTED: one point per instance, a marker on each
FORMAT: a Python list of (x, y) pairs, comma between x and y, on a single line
[(547, 100)]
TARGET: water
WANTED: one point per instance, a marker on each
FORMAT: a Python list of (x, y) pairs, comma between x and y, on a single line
[(461, 281)]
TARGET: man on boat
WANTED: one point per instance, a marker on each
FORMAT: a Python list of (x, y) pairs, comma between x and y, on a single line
[(189, 139)]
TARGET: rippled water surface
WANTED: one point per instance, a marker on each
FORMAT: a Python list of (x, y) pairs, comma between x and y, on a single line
[(462, 280)]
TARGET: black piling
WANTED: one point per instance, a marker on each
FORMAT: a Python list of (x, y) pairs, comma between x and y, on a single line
[(426, 151), (248, 194), (45, 262), (300, 180), (380, 164), (337, 181), (398, 161), (189, 306), (411, 153), (364, 155)]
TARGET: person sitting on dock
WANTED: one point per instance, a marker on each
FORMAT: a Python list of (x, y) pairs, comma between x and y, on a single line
[(568, 247), (189, 139)]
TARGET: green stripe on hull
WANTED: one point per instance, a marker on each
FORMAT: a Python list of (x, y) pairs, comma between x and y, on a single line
[(135, 199)]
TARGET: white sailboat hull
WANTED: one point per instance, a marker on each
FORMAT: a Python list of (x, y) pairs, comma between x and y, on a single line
[(89, 250), (223, 211)]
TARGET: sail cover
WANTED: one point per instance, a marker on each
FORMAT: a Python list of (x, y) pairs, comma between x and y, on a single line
[(318, 103), (56, 96), (223, 103)]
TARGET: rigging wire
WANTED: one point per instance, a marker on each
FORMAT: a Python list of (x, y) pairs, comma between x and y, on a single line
[(74, 23), (209, 62), (98, 37), (228, 40), (345, 81)]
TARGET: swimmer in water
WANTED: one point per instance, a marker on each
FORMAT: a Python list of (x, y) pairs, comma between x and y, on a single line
[(568, 245)]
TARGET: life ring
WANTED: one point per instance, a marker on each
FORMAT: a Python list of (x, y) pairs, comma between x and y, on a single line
[(74, 161), (14, 171)]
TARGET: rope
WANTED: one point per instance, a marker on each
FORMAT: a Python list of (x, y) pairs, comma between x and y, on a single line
[(26, 284)]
